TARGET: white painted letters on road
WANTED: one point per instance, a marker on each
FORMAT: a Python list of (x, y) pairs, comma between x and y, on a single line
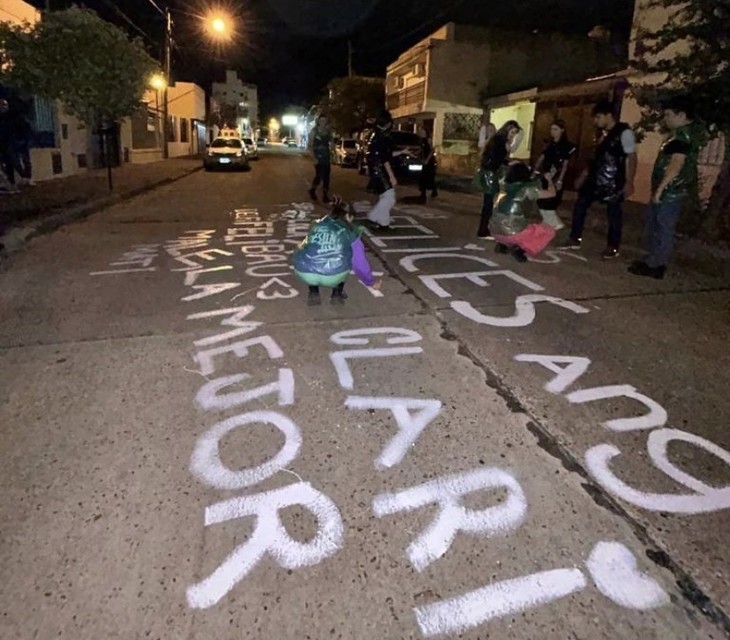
[(209, 396), (705, 497), (269, 537), (206, 464), (412, 416), (524, 314), (447, 492), (566, 375), (657, 416)]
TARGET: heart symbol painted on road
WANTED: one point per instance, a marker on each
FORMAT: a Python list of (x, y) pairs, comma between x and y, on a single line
[(288, 290), (614, 570)]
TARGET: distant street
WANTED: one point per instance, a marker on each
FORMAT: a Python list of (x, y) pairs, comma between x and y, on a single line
[(481, 449)]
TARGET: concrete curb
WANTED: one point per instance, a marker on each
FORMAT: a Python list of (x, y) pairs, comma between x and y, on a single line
[(17, 237)]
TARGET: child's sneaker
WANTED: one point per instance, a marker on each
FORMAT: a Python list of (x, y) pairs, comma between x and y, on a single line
[(338, 297), (314, 300)]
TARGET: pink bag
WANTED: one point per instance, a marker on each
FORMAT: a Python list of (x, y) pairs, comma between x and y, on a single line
[(532, 239)]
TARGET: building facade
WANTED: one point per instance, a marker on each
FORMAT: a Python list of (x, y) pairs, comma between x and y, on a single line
[(442, 82), (536, 108), (58, 141), (141, 135), (235, 103)]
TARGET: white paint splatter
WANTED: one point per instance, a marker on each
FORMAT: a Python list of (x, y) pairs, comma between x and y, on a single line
[(614, 570)]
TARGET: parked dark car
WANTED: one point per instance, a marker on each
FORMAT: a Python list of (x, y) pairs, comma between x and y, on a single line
[(407, 161)]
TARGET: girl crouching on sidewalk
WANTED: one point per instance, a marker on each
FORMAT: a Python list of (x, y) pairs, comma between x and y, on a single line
[(511, 229), (332, 249)]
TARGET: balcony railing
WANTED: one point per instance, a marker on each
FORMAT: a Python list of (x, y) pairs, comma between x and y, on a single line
[(407, 97)]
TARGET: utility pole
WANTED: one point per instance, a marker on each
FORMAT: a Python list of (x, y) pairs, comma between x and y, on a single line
[(349, 58), (168, 70)]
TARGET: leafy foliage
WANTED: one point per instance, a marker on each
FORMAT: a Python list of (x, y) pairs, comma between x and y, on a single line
[(76, 57), (349, 102)]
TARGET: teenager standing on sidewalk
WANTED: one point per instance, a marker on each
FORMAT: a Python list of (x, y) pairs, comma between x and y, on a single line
[(320, 144), (609, 180), (673, 180)]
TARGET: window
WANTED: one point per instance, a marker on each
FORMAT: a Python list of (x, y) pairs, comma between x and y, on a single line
[(222, 143), (64, 131), (184, 126), (43, 122), (171, 129)]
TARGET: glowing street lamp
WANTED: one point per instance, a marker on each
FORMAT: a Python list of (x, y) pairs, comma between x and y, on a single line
[(158, 82), (219, 25)]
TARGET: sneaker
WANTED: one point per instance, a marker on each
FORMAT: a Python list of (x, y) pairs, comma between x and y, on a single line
[(337, 298), (326, 199), (486, 237), (313, 195), (610, 254), (314, 300), (571, 244)]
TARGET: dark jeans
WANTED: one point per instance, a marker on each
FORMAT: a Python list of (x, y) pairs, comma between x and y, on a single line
[(487, 208), (427, 181), (659, 232), (22, 162), (322, 171), (7, 163), (615, 219)]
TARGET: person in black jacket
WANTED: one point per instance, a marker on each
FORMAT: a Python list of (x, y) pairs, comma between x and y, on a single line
[(382, 179), (609, 180), (427, 179), (7, 143)]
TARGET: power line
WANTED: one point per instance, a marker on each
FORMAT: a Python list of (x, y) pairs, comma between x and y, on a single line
[(129, 21), (156, 6), (421, 26)]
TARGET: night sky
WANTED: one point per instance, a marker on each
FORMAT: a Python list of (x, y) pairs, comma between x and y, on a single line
[(292, 48)]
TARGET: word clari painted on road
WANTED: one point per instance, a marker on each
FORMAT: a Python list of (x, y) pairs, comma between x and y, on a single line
[(611, 565)]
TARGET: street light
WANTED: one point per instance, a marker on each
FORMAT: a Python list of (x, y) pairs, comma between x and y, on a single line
[(219, 25), (158, 81)]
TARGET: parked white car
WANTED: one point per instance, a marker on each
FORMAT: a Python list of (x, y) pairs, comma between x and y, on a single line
[(251, 148), (346, 152), (226, 153)]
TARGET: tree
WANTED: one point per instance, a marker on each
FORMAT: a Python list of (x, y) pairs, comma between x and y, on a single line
[(349, 102), (76, 57), (690, 54)]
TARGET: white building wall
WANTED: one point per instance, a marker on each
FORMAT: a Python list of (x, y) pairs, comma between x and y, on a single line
[(70, 139)]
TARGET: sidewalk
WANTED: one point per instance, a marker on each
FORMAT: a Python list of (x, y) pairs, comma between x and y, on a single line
[(689, 253), (45, 207)]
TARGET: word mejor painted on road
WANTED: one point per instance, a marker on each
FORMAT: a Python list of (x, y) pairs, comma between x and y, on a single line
[(568, 369)]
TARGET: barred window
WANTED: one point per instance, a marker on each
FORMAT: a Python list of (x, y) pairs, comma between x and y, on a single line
[(184, 128), (461, 126), (43, 122)]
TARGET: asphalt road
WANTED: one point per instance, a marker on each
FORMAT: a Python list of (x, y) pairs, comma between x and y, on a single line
[(483, 449)]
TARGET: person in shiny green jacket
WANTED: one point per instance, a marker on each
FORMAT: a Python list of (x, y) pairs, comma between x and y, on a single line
[(673, 180), (510, 224)]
